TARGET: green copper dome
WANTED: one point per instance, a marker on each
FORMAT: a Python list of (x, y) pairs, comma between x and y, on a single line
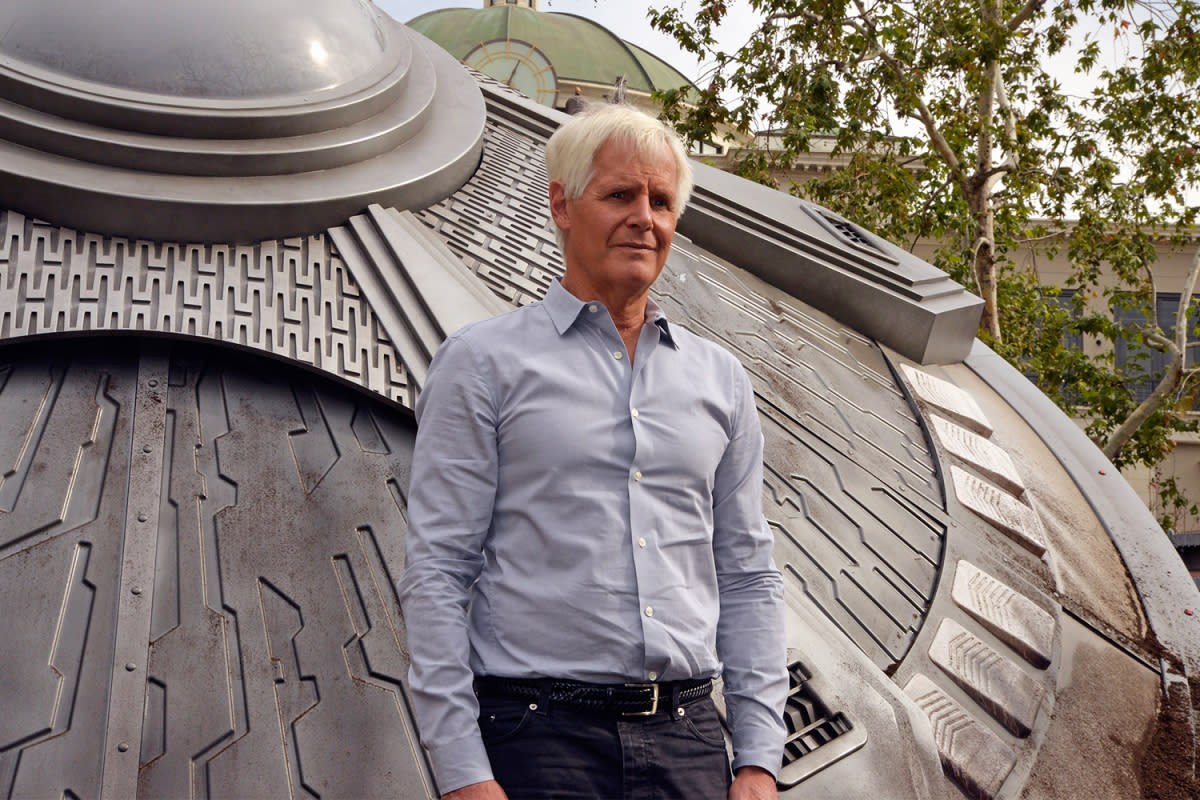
[(578, 50)]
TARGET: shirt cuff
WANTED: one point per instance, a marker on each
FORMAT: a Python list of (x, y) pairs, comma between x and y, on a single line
[(767, 753), (460, 764)]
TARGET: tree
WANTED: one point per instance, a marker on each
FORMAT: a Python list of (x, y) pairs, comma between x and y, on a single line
[(958, 131)]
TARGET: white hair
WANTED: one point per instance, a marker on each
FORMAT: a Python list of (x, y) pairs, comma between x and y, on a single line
[(571, 150)]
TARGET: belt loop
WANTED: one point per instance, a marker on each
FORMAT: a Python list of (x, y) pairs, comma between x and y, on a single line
[(545, 686), (675, 705)]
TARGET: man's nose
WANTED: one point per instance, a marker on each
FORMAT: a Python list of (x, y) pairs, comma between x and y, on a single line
[(639, 211)]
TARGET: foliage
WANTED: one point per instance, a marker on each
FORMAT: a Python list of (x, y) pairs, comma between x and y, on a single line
[(1170, 504), (956, 129)]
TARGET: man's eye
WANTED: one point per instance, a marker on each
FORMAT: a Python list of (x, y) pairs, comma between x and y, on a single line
[(618, 195)]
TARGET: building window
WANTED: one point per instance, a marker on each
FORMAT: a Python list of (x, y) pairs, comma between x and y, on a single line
[(1146, 365)]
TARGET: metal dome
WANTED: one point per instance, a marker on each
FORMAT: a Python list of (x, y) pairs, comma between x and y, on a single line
[(225, 121), (225, 49)]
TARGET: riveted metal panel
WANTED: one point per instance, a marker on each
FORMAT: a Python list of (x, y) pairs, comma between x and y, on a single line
[(64, 476), (201, 551)]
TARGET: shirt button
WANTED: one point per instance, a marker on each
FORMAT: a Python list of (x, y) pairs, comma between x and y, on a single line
[(617, 355), (634, 412), (637, 475), (641, 541), (593, 308), (652, 675), (649, 611)]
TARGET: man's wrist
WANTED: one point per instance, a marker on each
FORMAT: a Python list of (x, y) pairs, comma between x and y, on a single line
[(460, 763), (753, 783)]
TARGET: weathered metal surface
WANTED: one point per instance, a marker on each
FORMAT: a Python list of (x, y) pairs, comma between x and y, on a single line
[(254, 568), (977, 759), (65, 450), (992, 679), (1013, 617), (139, 551)]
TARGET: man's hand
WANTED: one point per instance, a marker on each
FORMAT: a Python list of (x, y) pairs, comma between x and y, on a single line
[(753, 783), (487, 790)]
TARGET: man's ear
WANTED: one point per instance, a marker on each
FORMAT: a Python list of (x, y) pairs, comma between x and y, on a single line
[(558, 205)]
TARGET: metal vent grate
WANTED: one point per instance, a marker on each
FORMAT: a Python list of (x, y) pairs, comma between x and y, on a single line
[(850, 231), (811, 727)]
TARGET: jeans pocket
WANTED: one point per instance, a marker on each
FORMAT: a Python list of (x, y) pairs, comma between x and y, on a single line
[(502, 719), (703, 723)]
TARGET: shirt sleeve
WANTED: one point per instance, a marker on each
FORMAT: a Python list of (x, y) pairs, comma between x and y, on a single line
[(750, 634), (450, 499)]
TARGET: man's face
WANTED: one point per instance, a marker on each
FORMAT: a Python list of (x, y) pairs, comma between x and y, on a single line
[(618, 232)]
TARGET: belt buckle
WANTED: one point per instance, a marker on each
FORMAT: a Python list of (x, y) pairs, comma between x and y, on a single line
[(653, 700)]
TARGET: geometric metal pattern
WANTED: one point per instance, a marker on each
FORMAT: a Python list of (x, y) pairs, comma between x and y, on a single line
[(985, 481), (413, 283), (498, 223), (851, 490), (265, 595), (292, 298), (990, 460), (971, 754), (1001, 509), (992, 680), (1011, 616), (944, 397), (65, 452)]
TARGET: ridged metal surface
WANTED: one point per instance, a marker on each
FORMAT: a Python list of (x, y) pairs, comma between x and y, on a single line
[(289, 298), (276, 658)]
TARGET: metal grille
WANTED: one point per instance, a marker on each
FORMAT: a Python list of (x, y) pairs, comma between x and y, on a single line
[(812, 728), (848, 230), (810, 725)]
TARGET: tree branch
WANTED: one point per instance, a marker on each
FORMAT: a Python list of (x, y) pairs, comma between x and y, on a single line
[(1022, 16), (1171, 380), (1010, 124)]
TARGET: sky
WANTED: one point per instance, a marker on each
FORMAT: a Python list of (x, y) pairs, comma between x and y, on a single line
[(625, 18)]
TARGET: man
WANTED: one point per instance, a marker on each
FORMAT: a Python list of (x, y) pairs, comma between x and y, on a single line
[(576, 103), (585, 523)]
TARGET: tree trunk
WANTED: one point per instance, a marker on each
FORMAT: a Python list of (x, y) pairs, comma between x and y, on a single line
[(984, 258)]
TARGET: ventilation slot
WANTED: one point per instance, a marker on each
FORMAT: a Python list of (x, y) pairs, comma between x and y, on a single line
[(816, 738), (849, 231)]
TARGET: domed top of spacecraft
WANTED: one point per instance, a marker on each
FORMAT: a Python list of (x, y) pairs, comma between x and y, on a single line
[(225, 120), (230, 49)]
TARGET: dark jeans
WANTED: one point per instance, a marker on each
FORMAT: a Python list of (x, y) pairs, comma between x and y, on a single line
[(558, 753)]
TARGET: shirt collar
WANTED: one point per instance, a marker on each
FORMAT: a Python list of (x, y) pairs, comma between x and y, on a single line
[(564, 308)]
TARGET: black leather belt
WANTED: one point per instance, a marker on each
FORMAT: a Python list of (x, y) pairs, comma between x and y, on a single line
[(628, 699)]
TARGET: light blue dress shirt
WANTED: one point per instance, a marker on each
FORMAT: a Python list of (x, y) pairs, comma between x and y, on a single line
[(575, 515)]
